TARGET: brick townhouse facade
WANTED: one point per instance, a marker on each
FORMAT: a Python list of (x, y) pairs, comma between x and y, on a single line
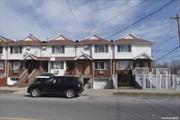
[(101, 63)]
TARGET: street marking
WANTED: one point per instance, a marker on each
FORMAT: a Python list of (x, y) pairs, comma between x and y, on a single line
[(7, 118)]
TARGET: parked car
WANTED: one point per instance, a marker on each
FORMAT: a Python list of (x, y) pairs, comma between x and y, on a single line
[(67, 85)]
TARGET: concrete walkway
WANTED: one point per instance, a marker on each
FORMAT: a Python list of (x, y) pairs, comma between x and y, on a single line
[(103, 92)]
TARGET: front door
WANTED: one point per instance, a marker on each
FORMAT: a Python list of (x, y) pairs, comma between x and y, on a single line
[(125, 78), (31, 65)]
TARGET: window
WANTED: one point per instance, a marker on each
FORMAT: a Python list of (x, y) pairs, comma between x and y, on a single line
[(15, 65), (101, 48), (101, 65), (124, 48), (16, 49), (58, 49), (123, 65), (57, 65), (1, 65), (1, 49)]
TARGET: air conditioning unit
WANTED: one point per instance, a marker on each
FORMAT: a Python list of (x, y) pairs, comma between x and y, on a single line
[(55, 72)]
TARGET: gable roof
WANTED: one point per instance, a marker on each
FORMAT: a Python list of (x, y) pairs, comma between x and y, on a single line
[(29, 40), (143, 56), (60, 40), (83, 56), (5, 41), (94, 40), (131, 39)]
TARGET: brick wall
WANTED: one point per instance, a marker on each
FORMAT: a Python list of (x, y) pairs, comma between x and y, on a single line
[(3, 82)]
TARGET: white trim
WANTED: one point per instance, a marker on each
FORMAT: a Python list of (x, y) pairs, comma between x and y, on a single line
[(142, 54)]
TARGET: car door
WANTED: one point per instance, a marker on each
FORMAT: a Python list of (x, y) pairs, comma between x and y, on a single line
[(49, 86)]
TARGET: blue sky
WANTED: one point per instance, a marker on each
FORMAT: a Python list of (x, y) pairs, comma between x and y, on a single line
[(49, 18)]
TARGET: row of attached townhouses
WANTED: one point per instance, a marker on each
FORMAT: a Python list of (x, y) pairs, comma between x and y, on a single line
[(99, 62)]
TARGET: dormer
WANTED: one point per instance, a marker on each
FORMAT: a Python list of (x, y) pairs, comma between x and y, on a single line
[(60, 40), (29, 41), (93, 40), (132, 39), (5, 41)]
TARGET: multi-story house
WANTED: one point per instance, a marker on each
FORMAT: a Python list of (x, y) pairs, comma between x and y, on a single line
[(100, 62)]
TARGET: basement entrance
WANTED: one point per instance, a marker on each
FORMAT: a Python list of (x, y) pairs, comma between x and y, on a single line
[(125, 78)]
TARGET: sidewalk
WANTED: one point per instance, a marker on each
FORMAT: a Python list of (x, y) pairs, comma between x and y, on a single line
[(103, 92)]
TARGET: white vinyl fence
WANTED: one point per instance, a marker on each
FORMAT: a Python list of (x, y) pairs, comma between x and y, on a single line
[(157, 81)]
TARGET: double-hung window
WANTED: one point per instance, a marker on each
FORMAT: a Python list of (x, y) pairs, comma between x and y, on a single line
[(1, 49), (101, 65), (15, 65), (1, 65), (124, 48), (16, 49), (58, 49), (101, 48), (57, 65)]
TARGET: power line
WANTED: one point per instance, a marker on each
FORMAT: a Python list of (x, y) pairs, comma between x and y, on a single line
[(113, 17), (75, 20), (143, 18), (164, 41), (166, 54), (177, 56)]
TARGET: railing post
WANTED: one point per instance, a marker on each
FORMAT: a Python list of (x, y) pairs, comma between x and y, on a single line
[(144, 82), (159, 81), (173, 81)]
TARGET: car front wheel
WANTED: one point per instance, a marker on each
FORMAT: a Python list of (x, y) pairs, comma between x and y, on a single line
[(70, 93), (35, 92)]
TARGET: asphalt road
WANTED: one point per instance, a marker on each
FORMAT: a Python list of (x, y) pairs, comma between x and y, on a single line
[(19, 107)]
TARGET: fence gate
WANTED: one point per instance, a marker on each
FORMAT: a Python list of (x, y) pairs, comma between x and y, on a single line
[(160, 78)]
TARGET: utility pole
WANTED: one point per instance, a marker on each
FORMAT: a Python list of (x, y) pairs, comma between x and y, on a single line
[(177, 20)]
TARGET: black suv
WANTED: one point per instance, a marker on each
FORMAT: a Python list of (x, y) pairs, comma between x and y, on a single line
[(49, 84)]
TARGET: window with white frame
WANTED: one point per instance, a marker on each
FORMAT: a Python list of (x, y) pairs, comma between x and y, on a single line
[(2, 65), (58, 49), (57, 65), (16, 49), (1, 49), (123, 65), (101, 65), (15, 65), (124, 48), (101, 48)]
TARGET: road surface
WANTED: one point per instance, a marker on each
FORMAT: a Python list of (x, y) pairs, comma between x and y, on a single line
[(20, 107)]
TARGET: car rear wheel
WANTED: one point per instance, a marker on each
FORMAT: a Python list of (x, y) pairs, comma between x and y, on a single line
[(70, 93), (35, 92)]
